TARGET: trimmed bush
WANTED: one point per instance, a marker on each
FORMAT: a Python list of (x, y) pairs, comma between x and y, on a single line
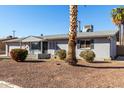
[(61, 54), (88, 55), (19, 54)]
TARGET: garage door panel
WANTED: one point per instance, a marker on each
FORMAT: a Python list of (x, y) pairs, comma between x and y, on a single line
[(12, 47)]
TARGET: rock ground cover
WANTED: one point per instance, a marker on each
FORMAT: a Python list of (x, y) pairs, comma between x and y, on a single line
[(42, 74)]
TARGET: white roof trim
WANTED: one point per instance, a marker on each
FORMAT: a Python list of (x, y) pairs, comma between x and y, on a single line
[(31, 39)]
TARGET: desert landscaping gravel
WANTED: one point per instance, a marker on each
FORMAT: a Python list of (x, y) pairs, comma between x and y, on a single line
[(61, 75)]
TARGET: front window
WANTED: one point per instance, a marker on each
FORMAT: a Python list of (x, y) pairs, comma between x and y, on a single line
[(82, 44), (35, 45), (85, 43), (53, 45), (88, 43)]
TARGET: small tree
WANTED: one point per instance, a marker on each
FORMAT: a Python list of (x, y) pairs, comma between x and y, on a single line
[(19, 54)]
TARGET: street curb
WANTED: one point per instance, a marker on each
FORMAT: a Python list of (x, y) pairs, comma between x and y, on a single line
[(10, 85)]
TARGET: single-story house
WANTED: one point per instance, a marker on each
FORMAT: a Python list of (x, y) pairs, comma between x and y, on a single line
[(103, 43), (2, 44)]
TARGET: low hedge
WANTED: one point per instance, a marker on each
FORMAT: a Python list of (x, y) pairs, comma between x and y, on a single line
[(88, 55), (61, 54), (19, 54)]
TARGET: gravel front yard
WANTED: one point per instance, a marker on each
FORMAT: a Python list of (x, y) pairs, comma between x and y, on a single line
[(60, 74)]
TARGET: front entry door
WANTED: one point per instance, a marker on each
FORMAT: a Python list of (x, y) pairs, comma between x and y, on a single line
[(45, 47)]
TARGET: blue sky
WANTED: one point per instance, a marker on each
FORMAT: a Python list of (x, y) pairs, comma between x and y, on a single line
[(47, 20)]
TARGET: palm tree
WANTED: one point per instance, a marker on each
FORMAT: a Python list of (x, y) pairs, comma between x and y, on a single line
[(123, 24), (71, 55), (118, 19)]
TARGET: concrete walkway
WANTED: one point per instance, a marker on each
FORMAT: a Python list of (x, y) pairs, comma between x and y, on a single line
[(4, 84)]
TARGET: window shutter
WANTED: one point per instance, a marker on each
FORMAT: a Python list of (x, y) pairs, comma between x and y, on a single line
[(92, 44), (78, 41), (78, 44)]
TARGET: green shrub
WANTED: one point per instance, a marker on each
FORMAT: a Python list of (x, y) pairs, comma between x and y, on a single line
[(61, 54), (88, 55), (19, 54)]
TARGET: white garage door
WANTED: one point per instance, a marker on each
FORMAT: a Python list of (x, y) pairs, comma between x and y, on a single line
[(12, 47)]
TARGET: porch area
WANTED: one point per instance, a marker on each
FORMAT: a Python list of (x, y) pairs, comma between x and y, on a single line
[(36, 46), (36, 49)]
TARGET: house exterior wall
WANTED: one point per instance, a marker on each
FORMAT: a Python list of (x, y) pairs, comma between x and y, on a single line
[(113, 51), (59, 44), (104, 48), (101, 48)]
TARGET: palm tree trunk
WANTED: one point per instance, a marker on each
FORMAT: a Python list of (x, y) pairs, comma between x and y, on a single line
[(71, 55)]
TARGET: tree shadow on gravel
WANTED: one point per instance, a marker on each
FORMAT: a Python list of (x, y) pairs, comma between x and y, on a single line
[(101, 67), (33, 61), (95, 62)]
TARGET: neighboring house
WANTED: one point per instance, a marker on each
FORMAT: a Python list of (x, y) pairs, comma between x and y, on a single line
[(2, 44), (103, 43)]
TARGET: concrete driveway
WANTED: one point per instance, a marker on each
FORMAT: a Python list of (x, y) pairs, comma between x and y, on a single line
[(4, 84)]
